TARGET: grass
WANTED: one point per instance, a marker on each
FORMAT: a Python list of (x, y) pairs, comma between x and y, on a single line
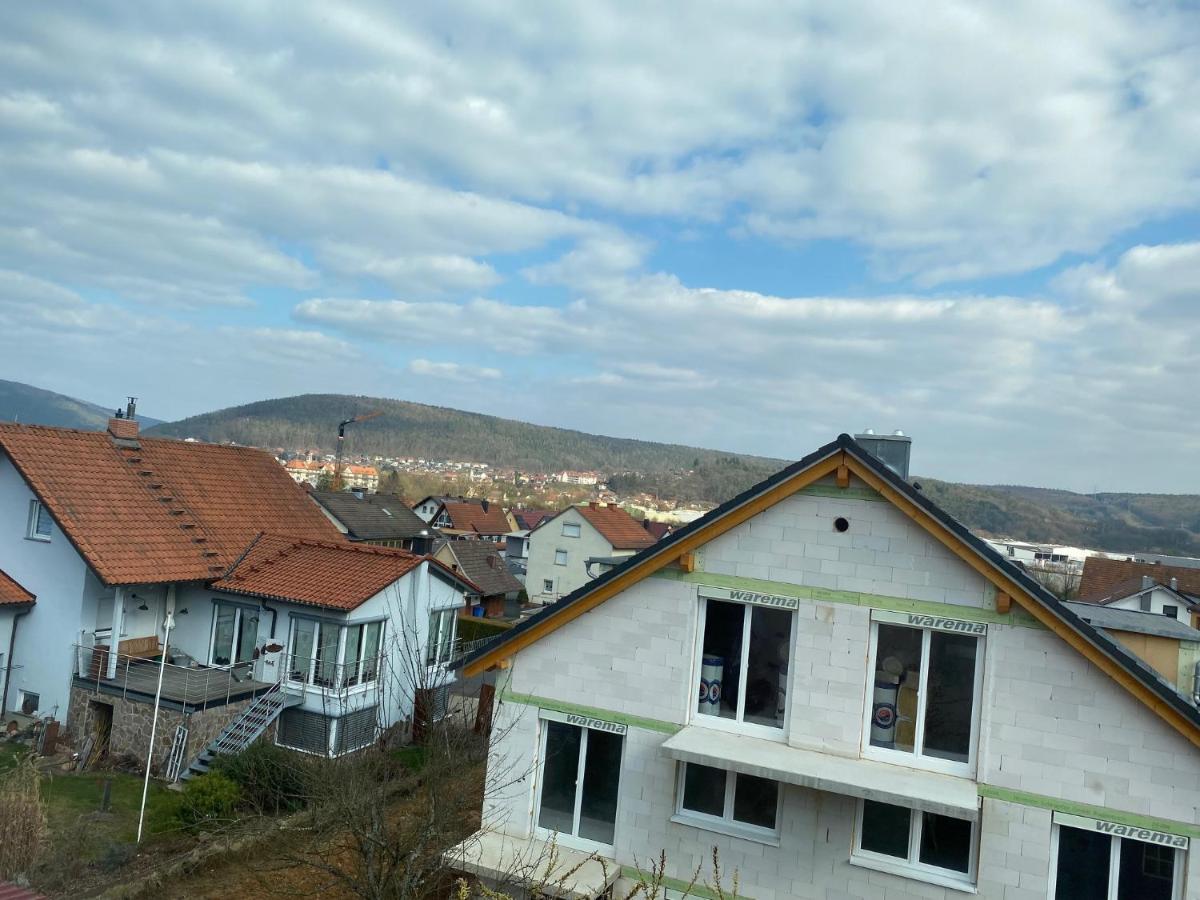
[(69, 796), (10, 752)]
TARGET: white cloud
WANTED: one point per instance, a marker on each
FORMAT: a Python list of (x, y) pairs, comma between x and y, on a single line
[(273, 198), (453, 371)]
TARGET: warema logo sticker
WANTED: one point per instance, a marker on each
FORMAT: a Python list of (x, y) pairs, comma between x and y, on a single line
[(596, 724), (1142, 834), (947, 624), (1126, 832)]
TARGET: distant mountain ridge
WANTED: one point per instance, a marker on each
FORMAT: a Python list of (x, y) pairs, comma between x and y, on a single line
[(35, 406), (407, 429), (1131, 523)]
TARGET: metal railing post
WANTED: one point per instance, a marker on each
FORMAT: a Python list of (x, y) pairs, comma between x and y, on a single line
[(125, 686)]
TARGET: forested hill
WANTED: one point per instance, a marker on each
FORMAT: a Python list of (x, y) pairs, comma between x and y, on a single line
[(35, 406), (432, 432), (1145, 523)]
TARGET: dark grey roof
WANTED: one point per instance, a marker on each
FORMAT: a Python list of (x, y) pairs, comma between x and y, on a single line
[(479, 561), (1106, 645), (1134, 620), (372, 517)]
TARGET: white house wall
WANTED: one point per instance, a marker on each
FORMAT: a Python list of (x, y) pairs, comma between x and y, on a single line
[(54, 571), (1054, 730), (545, 540), (1159, 598)]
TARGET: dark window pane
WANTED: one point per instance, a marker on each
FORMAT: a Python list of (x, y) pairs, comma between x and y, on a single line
[(722, 658), (1082, 865), (766, 672), (946, 842), (601, 780), (223, 635), (1147, 871), (951, 695), (559, 772), (755, 801), (897, 680), (704, 789), (885, 829)]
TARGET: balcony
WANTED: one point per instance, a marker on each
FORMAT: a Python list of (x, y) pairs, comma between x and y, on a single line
[(189, 688), (304, 673)]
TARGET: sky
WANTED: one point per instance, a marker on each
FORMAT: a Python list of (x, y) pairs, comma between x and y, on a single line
[(746, 226)]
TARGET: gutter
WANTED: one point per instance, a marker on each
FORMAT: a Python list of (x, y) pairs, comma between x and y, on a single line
[(8, 666)]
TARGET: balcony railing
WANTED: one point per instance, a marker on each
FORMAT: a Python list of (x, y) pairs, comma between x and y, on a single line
[(137, 676), (304, 671)]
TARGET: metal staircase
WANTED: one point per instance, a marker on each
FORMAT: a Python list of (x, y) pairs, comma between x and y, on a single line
[(243, 730)]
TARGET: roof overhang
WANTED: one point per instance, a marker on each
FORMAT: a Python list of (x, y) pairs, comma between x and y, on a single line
[(944, 795)]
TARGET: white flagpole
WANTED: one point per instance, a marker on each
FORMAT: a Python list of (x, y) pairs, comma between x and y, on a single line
[(168, 623)]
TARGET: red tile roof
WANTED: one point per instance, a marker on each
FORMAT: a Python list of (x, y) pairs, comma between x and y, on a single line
[(473, 517), (619, 528), (333, 574), (531, 518), (11, 592), (159, 510), (657, 530), (1104, 579)]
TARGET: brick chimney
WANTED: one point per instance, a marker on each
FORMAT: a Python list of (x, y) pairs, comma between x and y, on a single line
[(123, 426), (125, 429)]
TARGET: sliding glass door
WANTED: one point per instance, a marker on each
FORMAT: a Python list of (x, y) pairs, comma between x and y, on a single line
[(581, 774)]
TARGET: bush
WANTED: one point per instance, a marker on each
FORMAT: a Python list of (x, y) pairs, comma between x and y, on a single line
[(271, 779), (472, 629), (208, 799), (22, 818)]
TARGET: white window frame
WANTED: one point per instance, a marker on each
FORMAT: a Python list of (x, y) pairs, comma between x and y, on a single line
[(737, 724), (572, 840), (575, 529), (39, 515), (726, 823), (560, 553), (437, 644), (547, 585), (916, 759), (240, 609), (21, 701), (310, 671), (344, 641), (912, 867), (1114, 864)]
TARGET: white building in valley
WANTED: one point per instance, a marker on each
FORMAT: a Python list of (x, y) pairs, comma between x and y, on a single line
[(848, 695)]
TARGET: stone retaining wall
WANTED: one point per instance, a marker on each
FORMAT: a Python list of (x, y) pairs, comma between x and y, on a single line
[(131, 723)]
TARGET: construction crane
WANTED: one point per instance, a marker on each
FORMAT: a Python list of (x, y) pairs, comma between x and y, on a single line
[(337, 466)]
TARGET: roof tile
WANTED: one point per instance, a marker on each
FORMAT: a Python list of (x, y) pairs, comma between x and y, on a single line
[(1105, 578), (619, 528), (11, 592), (161, 510)]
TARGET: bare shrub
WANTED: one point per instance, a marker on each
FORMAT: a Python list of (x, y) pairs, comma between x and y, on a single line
[(22, 819)]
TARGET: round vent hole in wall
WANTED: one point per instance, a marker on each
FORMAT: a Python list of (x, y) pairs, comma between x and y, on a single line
[(841, 524)]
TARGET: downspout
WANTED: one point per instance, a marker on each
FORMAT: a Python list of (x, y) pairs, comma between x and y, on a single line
[(12, 643), (274, 615)]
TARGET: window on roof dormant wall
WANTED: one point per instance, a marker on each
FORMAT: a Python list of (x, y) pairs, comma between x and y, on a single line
[(923, 706), (744, 651)]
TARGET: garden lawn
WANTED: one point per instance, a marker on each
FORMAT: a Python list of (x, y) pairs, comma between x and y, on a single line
[(69, 796)]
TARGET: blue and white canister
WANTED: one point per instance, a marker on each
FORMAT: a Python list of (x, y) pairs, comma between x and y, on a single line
[(883, 710), (712, 669)]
